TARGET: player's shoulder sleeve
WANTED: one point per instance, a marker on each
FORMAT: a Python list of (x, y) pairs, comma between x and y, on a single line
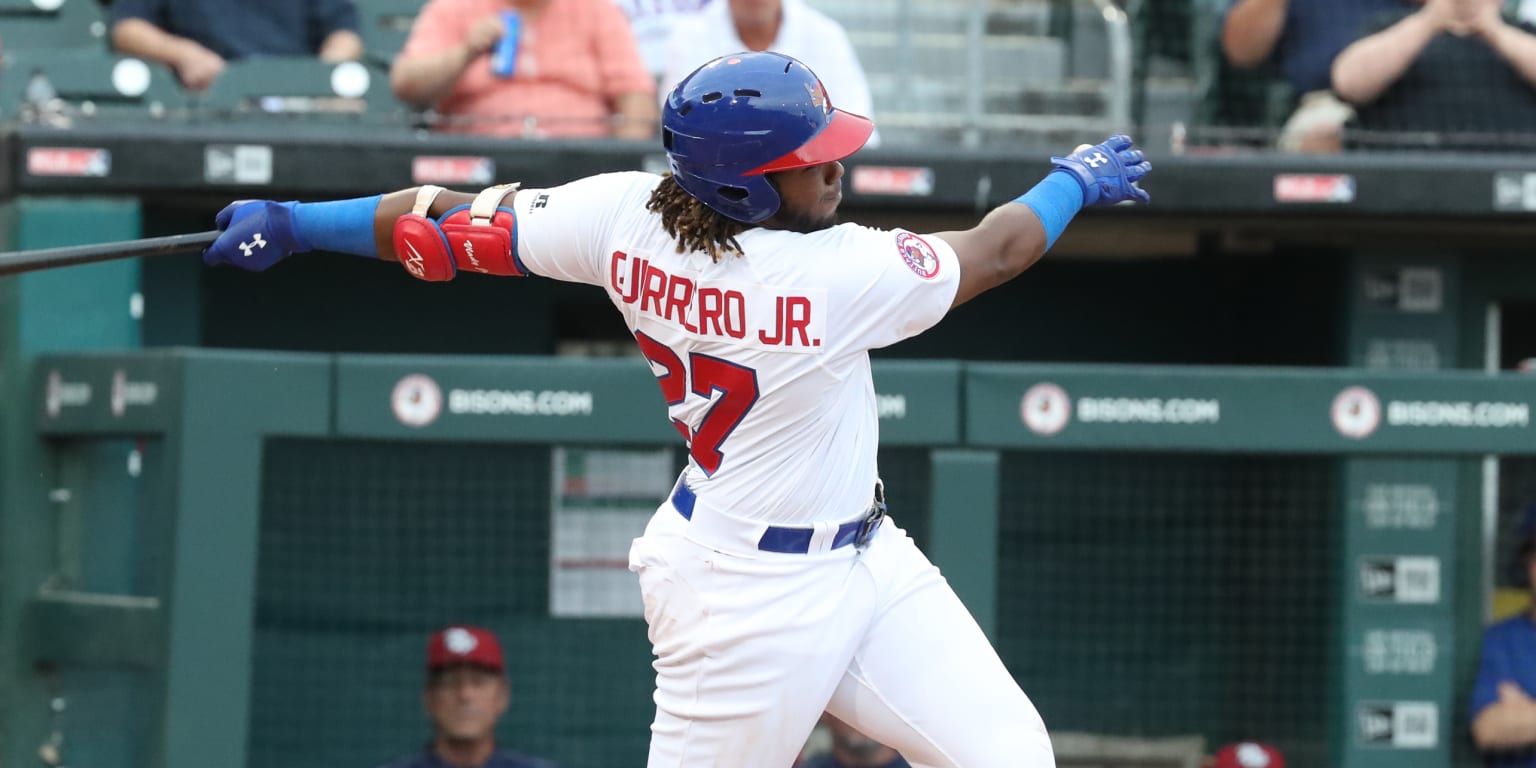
[(886, 285), (564, 232)]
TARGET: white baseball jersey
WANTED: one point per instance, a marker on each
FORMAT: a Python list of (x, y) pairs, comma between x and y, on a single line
[(762, 359)]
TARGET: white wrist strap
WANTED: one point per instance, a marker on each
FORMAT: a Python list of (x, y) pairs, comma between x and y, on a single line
[(483, 209), (424, 198)]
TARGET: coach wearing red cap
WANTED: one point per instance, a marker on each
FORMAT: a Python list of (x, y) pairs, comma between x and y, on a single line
[(467, 692), (1247, 754)]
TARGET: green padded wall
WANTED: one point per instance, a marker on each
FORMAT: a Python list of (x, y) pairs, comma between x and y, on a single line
[(1157, 595)]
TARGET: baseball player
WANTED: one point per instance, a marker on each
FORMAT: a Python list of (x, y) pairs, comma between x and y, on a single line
[(773, 587)]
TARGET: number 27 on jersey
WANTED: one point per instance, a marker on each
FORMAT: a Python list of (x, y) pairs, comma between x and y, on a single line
[(731, 387)]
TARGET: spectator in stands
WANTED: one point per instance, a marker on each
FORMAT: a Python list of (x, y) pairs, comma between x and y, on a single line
[(652, 22), (851, 749), (467, 692), (1247, 754), (196, 37), (1502, 709), (790, 27), (1454, 72), (1300, 39), (577, 70)]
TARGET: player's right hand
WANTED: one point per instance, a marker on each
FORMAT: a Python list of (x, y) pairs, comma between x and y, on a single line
[(256, 234), (1108, 171)]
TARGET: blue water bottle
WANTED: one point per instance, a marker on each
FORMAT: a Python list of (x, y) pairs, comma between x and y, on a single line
[(504, 58)]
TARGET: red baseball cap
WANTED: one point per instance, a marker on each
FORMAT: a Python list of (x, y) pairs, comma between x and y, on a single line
[(1248, 754), (461, 644)]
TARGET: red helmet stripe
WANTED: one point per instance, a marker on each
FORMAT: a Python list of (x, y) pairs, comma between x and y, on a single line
[(843, 135)]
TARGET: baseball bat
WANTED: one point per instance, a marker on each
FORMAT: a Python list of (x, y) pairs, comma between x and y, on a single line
[(16, 262)]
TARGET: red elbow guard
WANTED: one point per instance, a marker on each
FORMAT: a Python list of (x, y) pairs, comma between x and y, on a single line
[(419, 241), (483, 235)]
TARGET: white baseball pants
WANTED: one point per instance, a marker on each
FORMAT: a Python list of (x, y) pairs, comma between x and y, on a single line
[(751, 647)]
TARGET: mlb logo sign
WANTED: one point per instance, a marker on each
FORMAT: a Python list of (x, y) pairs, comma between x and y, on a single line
[(68, 161), (891, 180), (452, 169), (1314, 188)]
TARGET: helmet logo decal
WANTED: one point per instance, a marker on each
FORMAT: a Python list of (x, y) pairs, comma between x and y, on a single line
[(819, 97)]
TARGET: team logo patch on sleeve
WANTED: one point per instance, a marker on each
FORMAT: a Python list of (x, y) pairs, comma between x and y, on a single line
[(918, 255)]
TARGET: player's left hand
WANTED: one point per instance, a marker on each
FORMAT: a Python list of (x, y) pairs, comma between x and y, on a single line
[(256, 235), (1108, 171)]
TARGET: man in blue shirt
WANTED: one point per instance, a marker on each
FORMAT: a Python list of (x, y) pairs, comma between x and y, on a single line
[(195, 37), (1442, 74), (467, 692), (1502, 709), (1300, 38)]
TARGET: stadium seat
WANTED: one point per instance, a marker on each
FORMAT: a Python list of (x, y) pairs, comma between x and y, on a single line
[(384, 26), (303, 88), (82, 83), (916, 56), (36, 24)]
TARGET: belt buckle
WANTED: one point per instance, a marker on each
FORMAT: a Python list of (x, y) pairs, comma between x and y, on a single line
[(872, 519)]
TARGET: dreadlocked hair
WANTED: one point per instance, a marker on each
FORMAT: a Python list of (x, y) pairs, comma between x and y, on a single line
[(693, 224)]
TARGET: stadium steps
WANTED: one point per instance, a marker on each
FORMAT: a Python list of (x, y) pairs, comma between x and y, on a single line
[(1169, 101), (937, 16), (1072, 97), (1017, 58), (1034, 86)]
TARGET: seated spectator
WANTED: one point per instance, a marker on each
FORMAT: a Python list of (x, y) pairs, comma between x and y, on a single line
[(195, 37), (851, 749), (1247, 754), (1455, 73), (789, 27), (1300, 38), (577, 71), (467, 692), (1502, 709), (651, 21)]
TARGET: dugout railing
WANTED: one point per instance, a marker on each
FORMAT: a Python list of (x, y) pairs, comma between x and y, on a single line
[(243, 551)]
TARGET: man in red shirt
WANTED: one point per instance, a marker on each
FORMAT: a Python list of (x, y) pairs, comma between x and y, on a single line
[(577, 70)]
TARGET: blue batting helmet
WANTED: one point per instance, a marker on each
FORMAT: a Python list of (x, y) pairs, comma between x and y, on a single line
[(741, 116)]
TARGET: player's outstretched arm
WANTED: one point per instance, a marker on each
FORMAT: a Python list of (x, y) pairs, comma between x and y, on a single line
[(1016, 234), (259, 233)]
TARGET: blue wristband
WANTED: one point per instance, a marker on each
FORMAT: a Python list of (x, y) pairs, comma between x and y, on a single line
[(1056, 199), (343, 226)]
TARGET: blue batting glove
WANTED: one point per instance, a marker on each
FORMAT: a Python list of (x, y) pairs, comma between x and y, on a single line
[(1108, 171), (257, 234)]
